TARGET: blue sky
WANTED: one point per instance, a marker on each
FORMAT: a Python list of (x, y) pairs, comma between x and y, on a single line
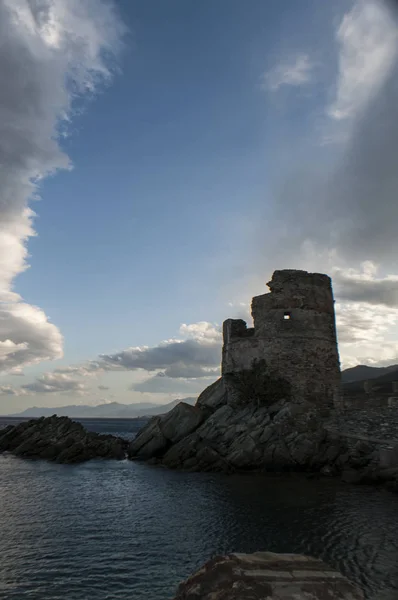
[(205, 142)]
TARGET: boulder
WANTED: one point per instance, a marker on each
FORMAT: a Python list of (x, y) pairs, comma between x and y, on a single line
[(163, 431), (268, 576), (59, 439), (283, 436), (183, 455), (180, 421), (150, 441), (213, 396)]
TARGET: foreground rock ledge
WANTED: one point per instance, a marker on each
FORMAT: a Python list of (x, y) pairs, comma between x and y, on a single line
[(267, 576), (59, 439)]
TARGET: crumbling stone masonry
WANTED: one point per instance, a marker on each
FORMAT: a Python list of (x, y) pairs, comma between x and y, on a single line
[(294, 333)]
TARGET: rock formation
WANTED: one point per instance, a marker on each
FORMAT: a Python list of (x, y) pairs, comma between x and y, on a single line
[(213, 435), (279, 380), (280, 383), (59, 439), (269, 576)]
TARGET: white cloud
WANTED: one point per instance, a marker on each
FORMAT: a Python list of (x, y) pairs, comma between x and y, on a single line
[(295, 71), (88, 369), (368, 44), (366, 315), (50, 383), (182, 361), (363, 286), (203, 331), (200, 352), (9, 390), (26, 336), (52, 51), (360, 323), (180, 370), (188, 352)]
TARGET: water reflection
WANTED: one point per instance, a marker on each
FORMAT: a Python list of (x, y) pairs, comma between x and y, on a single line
[(121, 529)]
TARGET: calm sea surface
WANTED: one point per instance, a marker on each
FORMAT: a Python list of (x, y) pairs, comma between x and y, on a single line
[(122, 530)]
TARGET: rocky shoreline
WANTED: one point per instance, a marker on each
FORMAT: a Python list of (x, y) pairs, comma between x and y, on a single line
[(283, 436), (280, 386), (214, 435), (61, 440), (211, 436)]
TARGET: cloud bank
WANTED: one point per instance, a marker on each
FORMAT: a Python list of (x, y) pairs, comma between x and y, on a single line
[(53, 383), (52, 51), (192, 357), (181, 366)]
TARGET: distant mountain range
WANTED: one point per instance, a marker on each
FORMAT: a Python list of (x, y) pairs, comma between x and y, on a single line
[(381, 377), (111, 410), (363, 373), (352, 379)]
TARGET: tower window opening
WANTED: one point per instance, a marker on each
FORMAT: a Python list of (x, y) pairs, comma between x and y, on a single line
[(287, 316)]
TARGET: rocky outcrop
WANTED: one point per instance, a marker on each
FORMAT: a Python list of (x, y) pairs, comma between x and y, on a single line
[(269, 576), (163, 431), (59, 439), (382, 470), (215, 435), (271, 409)]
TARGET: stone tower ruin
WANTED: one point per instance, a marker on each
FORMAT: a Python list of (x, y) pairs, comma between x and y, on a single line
[(294, 333)]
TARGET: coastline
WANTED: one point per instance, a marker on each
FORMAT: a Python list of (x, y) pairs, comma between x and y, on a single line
[(59, 439)]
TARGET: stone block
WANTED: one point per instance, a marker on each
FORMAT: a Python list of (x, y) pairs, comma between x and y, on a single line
[(267, 576)]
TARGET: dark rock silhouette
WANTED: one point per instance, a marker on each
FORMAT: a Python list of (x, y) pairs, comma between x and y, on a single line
[(279, 390), (281, 436), (59, 439), (280, 379)]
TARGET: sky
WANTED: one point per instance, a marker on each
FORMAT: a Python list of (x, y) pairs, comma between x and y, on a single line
[(159, 160)]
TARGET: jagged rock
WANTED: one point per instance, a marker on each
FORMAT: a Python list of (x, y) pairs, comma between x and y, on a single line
[(183, 454), (268, 576), (180, 421), (232, 438), (163, 431), (213, 396), (280, 379), (59, 439), (150, 441)]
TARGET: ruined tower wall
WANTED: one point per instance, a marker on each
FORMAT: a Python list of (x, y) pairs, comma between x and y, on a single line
[(295, 332), (241, 346)]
